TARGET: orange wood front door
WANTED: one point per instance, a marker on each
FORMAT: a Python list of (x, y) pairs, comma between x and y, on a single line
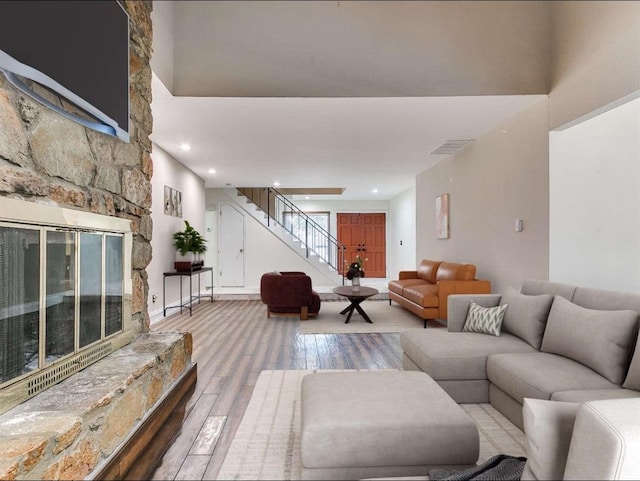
[(365, 234)]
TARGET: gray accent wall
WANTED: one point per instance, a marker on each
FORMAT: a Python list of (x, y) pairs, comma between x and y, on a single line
[(595, 57), (501, 177)]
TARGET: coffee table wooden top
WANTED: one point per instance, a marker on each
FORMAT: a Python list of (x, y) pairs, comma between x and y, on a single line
[(349, 291)]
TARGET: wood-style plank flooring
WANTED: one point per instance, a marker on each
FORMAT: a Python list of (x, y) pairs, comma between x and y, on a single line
[(233, 341)]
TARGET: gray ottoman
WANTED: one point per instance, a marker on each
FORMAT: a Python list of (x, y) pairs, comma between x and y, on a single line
[(363, 424)]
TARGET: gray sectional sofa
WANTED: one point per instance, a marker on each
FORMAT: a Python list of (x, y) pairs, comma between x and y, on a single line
[(557, 342)]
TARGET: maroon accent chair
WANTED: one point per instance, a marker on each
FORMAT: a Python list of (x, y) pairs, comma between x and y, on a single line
[(289, 294)]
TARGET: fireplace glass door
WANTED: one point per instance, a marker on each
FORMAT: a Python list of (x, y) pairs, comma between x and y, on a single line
[(61, 294), (19, 301), (61, 291)]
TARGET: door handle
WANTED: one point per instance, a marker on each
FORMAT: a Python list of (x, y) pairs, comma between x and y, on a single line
[(241, 250)]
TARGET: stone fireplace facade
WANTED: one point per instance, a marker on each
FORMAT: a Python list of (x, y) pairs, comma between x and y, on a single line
[(46, 158), (89, 424)]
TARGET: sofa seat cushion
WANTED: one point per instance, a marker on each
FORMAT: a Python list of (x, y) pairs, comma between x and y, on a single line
[(398, 286), (539, 374), (585, 395), (448, 355), (425, 295)]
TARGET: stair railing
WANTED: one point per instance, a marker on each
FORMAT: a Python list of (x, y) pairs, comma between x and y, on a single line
[(315, 239)]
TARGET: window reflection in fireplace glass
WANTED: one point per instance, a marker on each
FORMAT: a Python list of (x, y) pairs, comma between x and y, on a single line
[(61, 295), (113, 288), (19, 301), (90, 288)]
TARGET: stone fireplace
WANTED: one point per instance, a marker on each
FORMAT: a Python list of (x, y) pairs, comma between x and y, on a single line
[(65, 295), (83, 395)]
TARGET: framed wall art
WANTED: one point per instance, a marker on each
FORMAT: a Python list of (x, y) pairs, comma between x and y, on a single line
[(172, 202), (442, 216)]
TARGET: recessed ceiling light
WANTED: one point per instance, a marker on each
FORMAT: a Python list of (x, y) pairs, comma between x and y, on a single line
[(307, 197), (276, 184), (375, 191), (185, 147), (212, 171)]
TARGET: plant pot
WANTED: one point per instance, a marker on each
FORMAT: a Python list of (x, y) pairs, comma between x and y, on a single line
[(183, 266)]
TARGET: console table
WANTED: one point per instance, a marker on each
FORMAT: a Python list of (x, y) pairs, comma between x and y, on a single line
[(190, 275)]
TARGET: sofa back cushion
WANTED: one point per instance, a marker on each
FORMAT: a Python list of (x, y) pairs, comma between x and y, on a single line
[(427, 270), (606, 300), (526, 316), (532, 287), (633, 375), (601, 340), (449, 271)]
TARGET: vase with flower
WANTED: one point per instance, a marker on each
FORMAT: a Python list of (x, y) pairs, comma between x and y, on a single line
[(355, 271)]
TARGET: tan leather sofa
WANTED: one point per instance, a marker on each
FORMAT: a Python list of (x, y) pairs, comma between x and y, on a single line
[(425, 290)]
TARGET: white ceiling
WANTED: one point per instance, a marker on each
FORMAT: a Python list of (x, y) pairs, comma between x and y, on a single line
[(359, 142)]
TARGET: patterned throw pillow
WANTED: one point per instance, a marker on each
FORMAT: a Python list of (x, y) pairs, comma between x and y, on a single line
[(486, 320)]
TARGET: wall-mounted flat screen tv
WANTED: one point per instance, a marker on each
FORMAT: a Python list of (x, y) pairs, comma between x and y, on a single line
[(77, 49)]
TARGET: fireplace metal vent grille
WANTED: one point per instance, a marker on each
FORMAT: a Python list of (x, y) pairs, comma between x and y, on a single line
[(65, 369)]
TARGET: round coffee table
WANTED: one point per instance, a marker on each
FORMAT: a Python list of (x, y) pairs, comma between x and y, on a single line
[(355, 296)]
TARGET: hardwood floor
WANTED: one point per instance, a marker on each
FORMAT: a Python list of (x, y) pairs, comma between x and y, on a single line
[(233, 342)]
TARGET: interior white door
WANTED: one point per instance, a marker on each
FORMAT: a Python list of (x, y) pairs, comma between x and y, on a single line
[(211, 235), (231, 246)]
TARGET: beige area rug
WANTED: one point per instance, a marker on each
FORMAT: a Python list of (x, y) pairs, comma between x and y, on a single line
[(385, 318), (267, 442)]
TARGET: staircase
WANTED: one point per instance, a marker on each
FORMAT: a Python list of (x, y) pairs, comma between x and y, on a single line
[(295, 228)]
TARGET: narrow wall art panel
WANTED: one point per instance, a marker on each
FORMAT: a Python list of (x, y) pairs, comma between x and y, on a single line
[(442, 216)]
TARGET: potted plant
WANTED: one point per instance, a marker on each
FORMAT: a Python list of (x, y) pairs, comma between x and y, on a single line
[(190, 244), (355, 270)]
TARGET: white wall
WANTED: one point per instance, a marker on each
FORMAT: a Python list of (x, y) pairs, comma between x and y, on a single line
[(401, 230), (263, 251), (168, 171), (595, 201)]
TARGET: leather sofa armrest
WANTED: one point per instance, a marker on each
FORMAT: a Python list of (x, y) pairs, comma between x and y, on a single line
[(447, 288), (408, 275)]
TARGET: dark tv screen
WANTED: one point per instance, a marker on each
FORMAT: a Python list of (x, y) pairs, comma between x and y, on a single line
[(81, 45)]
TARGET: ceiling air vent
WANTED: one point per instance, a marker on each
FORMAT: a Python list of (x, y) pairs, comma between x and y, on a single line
[(452, 146)]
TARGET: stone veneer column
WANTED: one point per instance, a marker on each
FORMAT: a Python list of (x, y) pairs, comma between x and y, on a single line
[(45, 157), (82, 425)]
